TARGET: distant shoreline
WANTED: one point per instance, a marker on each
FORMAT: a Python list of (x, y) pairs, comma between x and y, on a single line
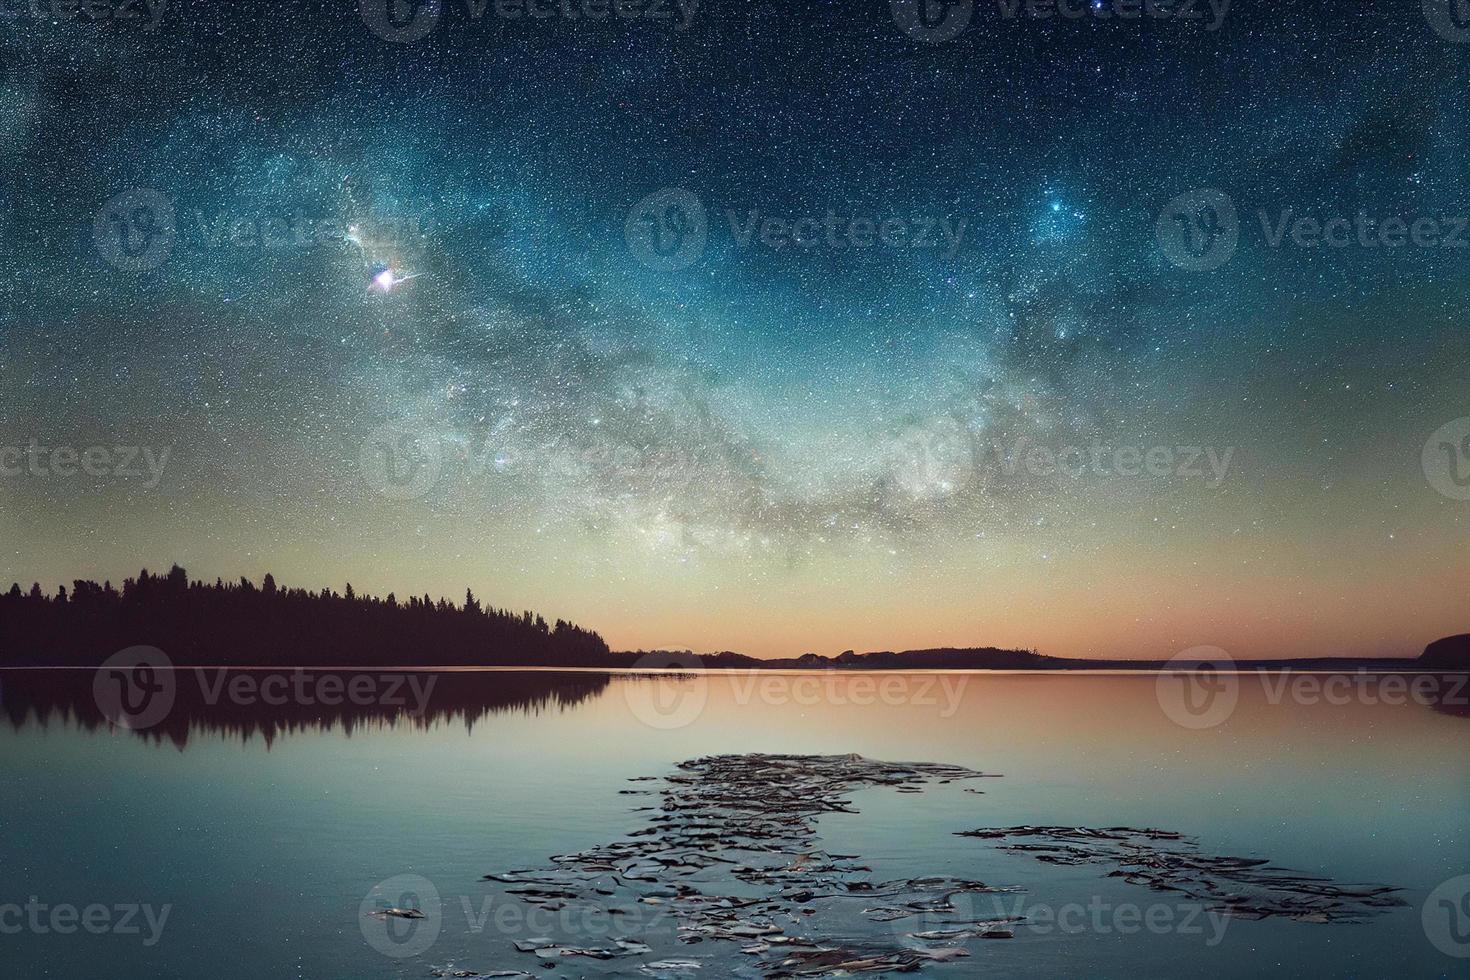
[(1375, 667), (1001, 661), (245, 626)]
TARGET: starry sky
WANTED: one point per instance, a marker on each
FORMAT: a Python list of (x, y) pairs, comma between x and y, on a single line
[(773, 327)]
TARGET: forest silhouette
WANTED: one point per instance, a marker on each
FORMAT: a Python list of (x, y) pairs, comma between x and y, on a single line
[(241, 624)]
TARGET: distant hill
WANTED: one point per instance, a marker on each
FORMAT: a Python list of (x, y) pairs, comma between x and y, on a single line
[(982, 658), (986, 658), (1452, 651)]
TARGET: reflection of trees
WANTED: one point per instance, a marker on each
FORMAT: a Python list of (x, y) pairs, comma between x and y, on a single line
[(65, 697)]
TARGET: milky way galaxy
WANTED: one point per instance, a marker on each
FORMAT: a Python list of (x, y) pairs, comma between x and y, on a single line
[(755, 326)]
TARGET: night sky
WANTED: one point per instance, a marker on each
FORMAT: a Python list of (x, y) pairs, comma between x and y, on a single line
[(736, 328)]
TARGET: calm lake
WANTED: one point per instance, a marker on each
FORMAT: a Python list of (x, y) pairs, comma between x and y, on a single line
[(251, 830)]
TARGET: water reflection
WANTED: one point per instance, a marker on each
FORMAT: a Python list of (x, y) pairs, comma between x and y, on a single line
[(1347, 783), (1451, 695), (1119, 710), (270, 704)]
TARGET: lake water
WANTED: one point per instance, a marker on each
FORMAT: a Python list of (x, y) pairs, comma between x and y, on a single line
[(263, 830)]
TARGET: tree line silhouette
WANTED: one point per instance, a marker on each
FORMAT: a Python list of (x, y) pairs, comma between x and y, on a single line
[(241, 624)]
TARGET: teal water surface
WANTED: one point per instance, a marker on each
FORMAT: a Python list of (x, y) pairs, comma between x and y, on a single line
[(251, 837)]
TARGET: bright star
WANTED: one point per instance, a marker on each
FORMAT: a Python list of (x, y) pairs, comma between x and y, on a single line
[(384, 281)]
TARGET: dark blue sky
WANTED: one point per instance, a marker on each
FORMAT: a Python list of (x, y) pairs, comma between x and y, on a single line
[(559, 258)]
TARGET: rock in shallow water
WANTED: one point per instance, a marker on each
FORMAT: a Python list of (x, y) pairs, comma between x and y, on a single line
[(1163, 860), (731, 856), (396, 914), (752, 820)]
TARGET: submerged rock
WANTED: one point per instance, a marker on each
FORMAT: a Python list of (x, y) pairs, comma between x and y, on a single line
[(752, 820), (730, 856), (845, 961), (1163, 860)]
